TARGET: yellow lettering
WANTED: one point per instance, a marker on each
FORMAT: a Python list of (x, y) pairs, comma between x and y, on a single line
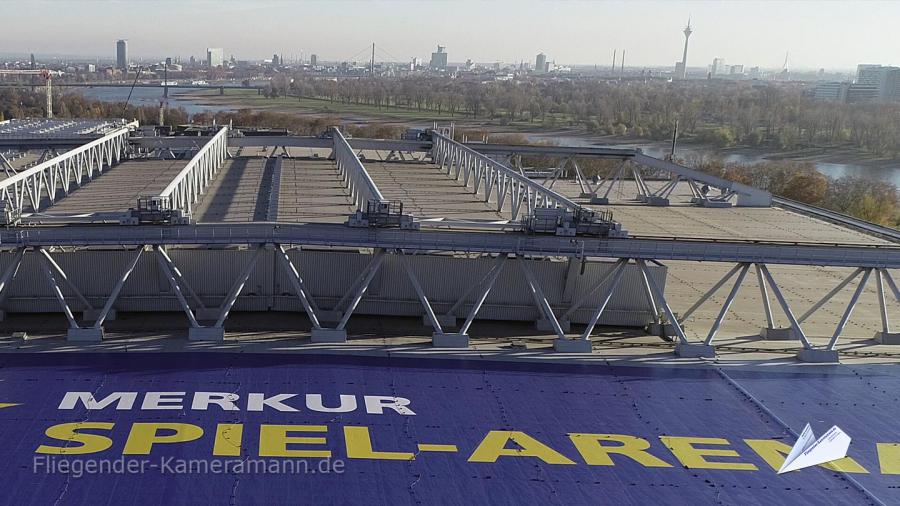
[(595, 453), (774, 452), (494, 443), (144, 435), (889, 457), (274, 441), (693, 458), (88, 443), (228, 439), (359, 446)]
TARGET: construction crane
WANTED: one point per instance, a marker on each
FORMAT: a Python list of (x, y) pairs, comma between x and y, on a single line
[(48, 77)]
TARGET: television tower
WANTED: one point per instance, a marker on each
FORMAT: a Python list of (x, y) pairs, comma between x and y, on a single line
[(687, 35)]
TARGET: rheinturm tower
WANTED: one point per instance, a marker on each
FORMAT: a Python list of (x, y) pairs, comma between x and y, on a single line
[(687, 36)]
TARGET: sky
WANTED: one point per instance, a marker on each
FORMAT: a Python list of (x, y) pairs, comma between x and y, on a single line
[(835, 35)]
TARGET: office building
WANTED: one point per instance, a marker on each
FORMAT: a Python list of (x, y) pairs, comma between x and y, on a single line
[(439, 59), (122, 54), (215, 57)]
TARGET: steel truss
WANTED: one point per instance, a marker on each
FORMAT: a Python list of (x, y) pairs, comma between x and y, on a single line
[(494, 180), (186, 188), (40, 186), (356, 178), (207, 323)]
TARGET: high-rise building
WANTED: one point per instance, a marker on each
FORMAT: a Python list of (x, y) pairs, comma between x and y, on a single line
[(122, 54), (439, 59), (681, 67), (215, 57), (540, 63), (718, 66), (313, 60), (885, 79)]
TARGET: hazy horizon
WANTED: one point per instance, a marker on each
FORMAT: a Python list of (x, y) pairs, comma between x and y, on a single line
[(830, 35)]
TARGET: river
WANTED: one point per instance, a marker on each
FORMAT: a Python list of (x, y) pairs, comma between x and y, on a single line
[(150, 97)]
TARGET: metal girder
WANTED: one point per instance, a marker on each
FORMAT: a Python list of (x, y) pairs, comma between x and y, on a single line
[(420, 293), (57, 292), (482, 295), (727, 304), (10, 274), (165, 264), (540, 299), (746, 195), (361, 290), (363, 189), (616, 274), (237, 287), (815, 307), (494, 179), (334, 235), (186, 187), (795, 325), (118, 288), (847, 312), (41, 185), (658, 293), (303, 294), (606, 277), (62, 274)]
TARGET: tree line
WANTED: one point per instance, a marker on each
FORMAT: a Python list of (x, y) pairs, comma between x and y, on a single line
[(778, 116)]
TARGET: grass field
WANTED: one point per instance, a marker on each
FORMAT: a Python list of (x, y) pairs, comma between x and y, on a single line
[(250, 99)]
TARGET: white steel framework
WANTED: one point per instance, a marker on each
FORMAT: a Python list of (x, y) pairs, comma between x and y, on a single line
[(495, 180), (186, 188), (41, 185)]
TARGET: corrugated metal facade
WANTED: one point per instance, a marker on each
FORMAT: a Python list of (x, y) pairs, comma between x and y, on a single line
[(328, 274)]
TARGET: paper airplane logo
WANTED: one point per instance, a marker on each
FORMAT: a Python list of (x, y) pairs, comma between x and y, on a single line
[(809, 451)]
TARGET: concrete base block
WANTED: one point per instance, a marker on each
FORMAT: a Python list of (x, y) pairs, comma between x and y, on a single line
[(450, 340), (600, 201), (657, 201), (572, 345), (657, 329), (329, 335), (544, 325), (207, 314), (887, 337), (778, 334), (695, 350), (206, 334), (91, 315), (715, 203), (818, 356), (446, 320), (89, 334)]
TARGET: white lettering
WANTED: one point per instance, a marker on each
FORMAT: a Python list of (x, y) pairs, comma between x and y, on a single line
[(256, 402), (224, 400), (375, 404), (123, 400), (162, 400)]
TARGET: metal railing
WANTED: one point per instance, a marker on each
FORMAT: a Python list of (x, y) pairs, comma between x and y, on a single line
[(494, 179), (187, 187), (41, 185), (362, 189)]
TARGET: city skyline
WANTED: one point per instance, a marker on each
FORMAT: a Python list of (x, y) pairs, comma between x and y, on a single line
[(832, 36)]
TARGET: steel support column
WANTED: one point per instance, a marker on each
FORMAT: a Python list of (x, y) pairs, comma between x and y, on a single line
[(302, 293)]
